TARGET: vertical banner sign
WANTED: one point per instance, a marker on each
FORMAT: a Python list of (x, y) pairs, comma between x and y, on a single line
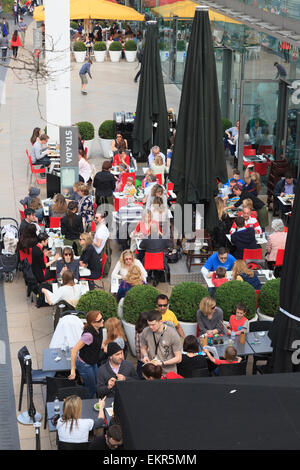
[(68, 137)]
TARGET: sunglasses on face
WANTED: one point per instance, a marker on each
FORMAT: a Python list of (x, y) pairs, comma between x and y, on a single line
[(99, 321), (68, 254), (162, 305)]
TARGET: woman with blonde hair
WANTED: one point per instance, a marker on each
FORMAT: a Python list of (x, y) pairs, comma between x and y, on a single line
[(59, 208), (134, 278), (241, 272), (252, 181), (158, 167), (157, 191), (71, 428), (125, 262), (36, 205), (159, 211), (85, 353), (223, 225), (89, 258), (209, 317)]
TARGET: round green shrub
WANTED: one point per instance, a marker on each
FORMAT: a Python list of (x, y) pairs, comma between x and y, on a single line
[(163, 46), (229, 294), (139, 299), (268, 299), (79, 46), (107, 130), (185, 300), (180, 45), (105, 302), (226, 124), (115, 46), (130, 45), (100, 46), (74, 24), (86, 130)]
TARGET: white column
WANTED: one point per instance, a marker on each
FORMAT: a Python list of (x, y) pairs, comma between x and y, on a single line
[(58, 87)]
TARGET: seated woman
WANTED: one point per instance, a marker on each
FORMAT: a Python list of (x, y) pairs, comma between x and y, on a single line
[(134, 278), (160, 214), (252, 181), (84, 168), (69, 291), (146, 181), (40, 263), (241, 272), (157, 191), (73, 195), (59, 206), (85, 206), (158, 167), (223, 225), (209, 317), (71, 428), (67, 263), (119, 143), (27, 240), (89, 258), (153, 371), (122, 267), (191, 360), (71, 227), (142, 230), (276, 241), (36, 205)]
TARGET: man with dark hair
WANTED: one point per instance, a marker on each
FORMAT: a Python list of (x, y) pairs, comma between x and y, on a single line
[(30, 218), (168, 317), (85, 69), (115, 368), (220, 258), (161, 342), (284, 187), (243, 238), (112, 439)]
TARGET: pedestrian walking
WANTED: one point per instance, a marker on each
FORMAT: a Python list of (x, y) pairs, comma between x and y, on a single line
[(4, 27), (85, 69), (16, 11), (22, 29), (4, 46), (15, 43), (281, 72), (140, 55)]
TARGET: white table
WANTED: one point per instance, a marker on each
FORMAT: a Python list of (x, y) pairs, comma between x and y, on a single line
[(261, 239), (114, 285), (254, 159), (84, 287), (286, 202)]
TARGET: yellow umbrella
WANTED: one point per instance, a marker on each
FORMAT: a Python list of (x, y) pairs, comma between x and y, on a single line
[(98, 9), (186, 9)]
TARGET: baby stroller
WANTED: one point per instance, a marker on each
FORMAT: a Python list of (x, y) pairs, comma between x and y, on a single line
[(8, 248)]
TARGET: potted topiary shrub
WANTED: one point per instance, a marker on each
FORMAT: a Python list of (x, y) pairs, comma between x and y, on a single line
[(130, 50), (226, 124), (74, 25), (180, 50), (87, 132), (164, 51), (268, 300), (115, 51), (103, 301), (229, 294), (106, 132), (138, 299), (184, 302), (99, 51), (79, 50)]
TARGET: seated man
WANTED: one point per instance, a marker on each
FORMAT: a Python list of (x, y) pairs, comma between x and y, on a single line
[(154, 152), (244, 237), (258, 205), (284, 187), (39, 154), (116, 368), (162, 305), (160, 342), (250, 221), (220, 258)]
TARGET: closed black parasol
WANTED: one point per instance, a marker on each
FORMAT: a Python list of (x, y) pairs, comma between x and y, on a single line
[(151, 105)]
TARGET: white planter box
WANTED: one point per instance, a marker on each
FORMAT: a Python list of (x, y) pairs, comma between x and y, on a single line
[(255, 318), (115, 56), (79, 56), (99, 56), (105, 147), (130, 334), (180, 55), (188, 328), (164, 55), (263, 317), (130, 56)]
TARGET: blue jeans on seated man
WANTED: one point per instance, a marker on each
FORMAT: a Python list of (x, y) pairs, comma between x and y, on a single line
[(88, 373), (45, 161)]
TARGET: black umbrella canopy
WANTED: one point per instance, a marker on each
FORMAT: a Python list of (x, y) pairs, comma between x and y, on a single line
[(151, 105), (198, 157), (286, 326)]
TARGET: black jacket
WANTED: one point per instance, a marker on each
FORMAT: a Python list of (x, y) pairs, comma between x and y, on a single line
[(279, 188), (71, 232), (257, 203), (155, 245), (105, 373), (90, 257), (243, 239), (104, 183)]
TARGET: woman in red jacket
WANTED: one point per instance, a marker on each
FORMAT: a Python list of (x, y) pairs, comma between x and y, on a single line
[(15, 43)]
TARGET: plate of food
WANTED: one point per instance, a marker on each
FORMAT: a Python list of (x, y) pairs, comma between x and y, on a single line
[(96, 406)]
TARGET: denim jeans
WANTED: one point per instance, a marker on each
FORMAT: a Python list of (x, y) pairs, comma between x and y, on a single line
[(88, 373)]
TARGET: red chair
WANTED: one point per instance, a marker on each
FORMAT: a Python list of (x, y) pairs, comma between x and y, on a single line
[(55, 222), (23, 255), (279, 258), (252, 254), (36, 171), (285, 229), (22, 214), (159, 178), (249, 152), (155, 262), (247, 147), (116, 160), (93, 226), (261, 168), (170, 186), (268, 149), (103, 262)]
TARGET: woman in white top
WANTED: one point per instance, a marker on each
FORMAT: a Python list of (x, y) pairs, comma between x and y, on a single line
[(158, 168), (156, 191), (84, 168), (71, 428), (68, 291), (127, 260)]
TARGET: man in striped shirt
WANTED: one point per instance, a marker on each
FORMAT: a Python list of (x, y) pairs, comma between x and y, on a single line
[(249, 222)]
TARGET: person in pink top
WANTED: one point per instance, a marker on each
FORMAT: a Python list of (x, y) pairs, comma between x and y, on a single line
[(276, 241), (15, 42)]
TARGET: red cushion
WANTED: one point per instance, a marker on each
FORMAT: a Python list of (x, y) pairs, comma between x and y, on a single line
[(154, 261)]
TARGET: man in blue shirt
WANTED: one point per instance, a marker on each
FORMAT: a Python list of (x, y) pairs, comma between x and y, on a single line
[(86, 68), (220, 258)]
